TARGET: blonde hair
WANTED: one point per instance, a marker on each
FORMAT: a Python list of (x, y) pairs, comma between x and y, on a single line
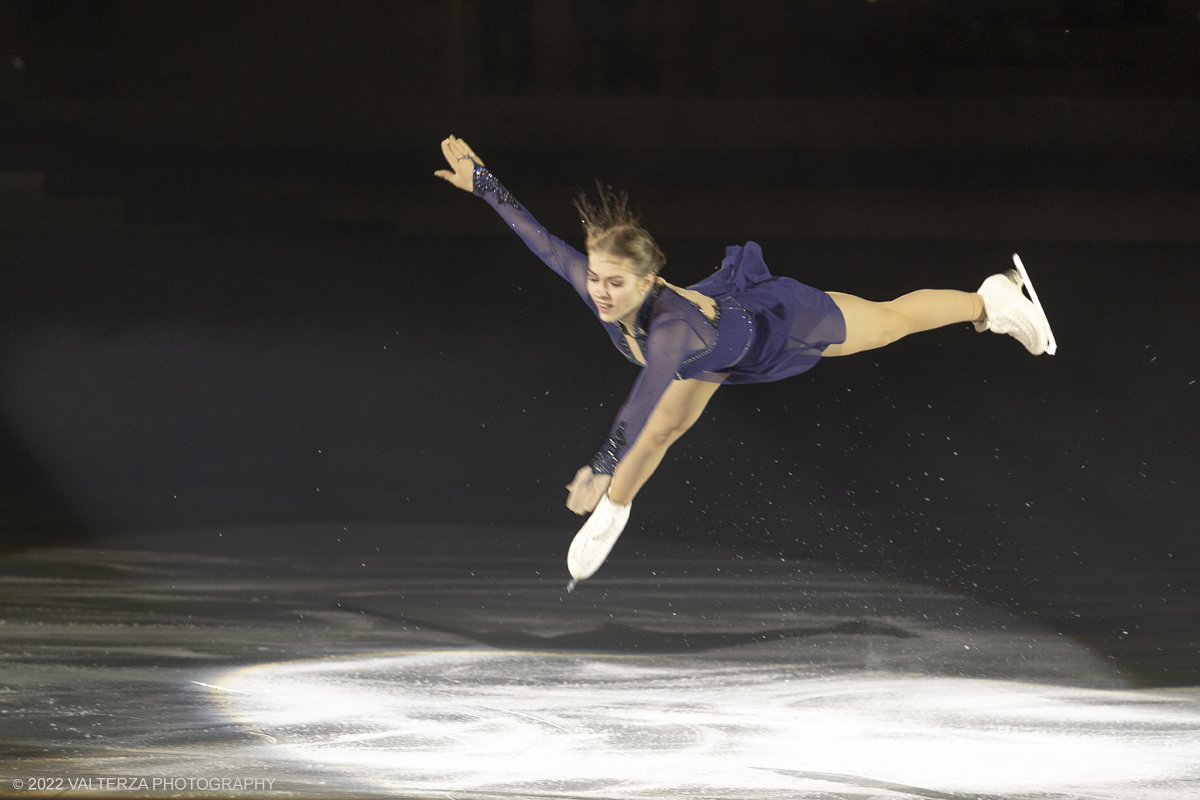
[(611, 227)]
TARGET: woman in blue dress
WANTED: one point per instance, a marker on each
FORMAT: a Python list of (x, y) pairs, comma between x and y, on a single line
[(739, 325)]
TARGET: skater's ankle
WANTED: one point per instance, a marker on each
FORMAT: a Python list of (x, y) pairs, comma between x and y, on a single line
[(619, 500), (977, 308)]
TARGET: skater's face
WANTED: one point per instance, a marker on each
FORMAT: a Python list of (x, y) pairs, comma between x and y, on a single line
[(615, 288)]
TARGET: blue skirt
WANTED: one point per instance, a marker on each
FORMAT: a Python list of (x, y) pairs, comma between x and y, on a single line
[(793, 323)]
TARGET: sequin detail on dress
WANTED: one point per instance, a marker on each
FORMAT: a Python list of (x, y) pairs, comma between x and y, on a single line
[(605, 462), (734, 305), (484, 182), (715, 322)]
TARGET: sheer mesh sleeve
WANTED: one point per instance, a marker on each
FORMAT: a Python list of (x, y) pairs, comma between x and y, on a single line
[(668, 345), (557, 254)]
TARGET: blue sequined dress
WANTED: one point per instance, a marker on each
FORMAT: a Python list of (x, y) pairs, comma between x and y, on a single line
[(766, 328)]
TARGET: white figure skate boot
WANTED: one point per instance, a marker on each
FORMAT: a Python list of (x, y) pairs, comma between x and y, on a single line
[(1009, 311), (596, 538)]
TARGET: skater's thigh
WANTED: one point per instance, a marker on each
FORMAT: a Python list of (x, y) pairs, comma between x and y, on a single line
[(679, 407), (868, 324)]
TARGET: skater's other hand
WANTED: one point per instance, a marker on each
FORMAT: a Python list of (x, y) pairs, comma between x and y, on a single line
[(462, 160), (586, 490)]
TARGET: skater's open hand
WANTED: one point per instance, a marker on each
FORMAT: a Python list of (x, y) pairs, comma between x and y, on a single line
[(586, 490), (462, 160)]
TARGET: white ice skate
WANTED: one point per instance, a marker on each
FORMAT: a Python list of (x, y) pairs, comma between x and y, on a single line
[(596, 538), (1009, 311)]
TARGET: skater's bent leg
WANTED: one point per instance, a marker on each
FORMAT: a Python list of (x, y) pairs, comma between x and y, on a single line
[(678, 409), (870, 325)]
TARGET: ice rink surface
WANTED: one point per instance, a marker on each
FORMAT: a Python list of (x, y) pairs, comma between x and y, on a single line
[(452, 663)]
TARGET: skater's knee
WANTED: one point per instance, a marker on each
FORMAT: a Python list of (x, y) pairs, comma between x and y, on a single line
[(667, 425), (892, 322), (665, 433), (880, 329)]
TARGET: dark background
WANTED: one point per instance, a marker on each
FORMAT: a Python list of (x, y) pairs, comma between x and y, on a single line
[(232, 292)]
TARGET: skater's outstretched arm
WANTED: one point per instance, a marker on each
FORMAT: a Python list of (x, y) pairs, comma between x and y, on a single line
[(468, 173)]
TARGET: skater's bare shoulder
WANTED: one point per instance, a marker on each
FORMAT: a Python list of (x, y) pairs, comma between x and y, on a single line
[(701, 301)]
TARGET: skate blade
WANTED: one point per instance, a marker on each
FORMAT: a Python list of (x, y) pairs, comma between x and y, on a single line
[(1051, 344)]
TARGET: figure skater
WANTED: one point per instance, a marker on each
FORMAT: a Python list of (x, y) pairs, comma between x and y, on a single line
[(739, 325)]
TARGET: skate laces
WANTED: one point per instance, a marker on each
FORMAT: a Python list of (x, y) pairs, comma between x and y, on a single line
[(603, 532), (1016, 325), (1011, 312)]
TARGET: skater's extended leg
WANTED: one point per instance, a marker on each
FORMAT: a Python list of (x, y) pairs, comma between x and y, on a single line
[(678, 409), (870, 325)]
